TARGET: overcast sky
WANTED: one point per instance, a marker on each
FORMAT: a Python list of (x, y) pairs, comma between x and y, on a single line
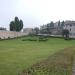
[(36, 12)]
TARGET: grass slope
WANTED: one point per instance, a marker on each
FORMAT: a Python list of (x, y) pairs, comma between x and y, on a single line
[(17, 55)]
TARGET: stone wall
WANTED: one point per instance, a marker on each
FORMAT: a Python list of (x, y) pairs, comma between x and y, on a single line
[(10, 34)]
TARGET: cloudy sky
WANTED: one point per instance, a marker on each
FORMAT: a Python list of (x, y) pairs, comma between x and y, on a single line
[(36, 12)]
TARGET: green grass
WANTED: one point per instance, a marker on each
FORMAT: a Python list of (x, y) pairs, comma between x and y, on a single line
[(17, 55), (59, 63)]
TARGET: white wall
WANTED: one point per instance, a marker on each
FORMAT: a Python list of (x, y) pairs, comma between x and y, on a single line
[(11, 34), (71, 30)]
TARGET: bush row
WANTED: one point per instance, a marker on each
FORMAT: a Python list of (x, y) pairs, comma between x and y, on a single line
[(32, 39)]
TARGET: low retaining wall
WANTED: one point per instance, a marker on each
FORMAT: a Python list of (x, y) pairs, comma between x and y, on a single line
[(11, 34)]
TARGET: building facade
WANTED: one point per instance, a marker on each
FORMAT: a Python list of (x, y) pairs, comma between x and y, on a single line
[(57, 30), (70, 25)]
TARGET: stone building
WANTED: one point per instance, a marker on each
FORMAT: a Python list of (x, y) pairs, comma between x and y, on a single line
[(70, 25)]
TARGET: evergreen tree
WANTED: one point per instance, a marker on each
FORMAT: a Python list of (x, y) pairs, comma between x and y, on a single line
[(16, 25), (52, 24), (65, 33), (36, 30), (59, 24), (62, 25)]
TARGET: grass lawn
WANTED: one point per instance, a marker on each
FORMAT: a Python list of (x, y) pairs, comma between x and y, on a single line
[(17, 55), (60, 63)]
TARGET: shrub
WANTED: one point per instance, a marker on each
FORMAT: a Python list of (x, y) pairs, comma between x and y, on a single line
[(42, 38), (9, 38), (29, 39)]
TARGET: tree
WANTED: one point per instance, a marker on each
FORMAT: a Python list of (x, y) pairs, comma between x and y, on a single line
[(65, 33), (12, 26), (50, 26), (21, 24), (36, 29), (59, 24), (62, 24), (48, 29), (16, 25)]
